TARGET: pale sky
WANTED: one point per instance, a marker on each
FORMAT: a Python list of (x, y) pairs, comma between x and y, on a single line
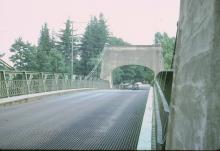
[(135, 21)]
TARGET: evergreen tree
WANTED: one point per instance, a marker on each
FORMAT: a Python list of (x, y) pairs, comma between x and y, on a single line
[(66, 40), (93, 42), (44, 48), (64, 44), (102, 34), (114, 41), (56, 57), (56, 61), (44, 42), (48, 57)]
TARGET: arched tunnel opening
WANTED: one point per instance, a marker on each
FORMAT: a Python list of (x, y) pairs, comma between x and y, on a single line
[(131, 76)]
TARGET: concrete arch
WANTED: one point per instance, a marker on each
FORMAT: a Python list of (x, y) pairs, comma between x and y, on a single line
[(134, 65), (145, 55)]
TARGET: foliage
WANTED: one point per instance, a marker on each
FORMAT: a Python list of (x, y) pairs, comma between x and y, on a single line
[(93, 42), (53, 54), (44, 58), (57, 61), (66, 41), (114, 41), (167, 44), (48, 57), (44, 48), (24, 55), (44, 42), (132, 74)]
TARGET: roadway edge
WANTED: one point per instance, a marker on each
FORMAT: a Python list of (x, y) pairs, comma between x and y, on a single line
[(32, 97), (144, 141)]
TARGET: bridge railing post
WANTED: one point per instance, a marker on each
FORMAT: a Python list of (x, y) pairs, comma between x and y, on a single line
[(4, 90), (7, 88), (27, 82), (43, 88)]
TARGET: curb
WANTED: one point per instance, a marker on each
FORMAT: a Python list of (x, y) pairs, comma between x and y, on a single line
[(144, 141), (35, 96)]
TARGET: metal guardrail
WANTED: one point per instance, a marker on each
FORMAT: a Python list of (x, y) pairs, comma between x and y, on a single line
[(162, 94), (13, 83), (10, 88)]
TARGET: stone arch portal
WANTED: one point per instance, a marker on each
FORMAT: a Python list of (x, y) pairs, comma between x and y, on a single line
[(145, 55)]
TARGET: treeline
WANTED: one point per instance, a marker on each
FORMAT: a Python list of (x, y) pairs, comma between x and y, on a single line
[(167, 43), (53, 51), (132, 74)]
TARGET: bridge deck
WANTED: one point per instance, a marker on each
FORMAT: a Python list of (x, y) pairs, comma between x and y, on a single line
[(103, 119)]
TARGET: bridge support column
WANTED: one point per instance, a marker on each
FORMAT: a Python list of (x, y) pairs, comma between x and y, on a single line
[(195, 104)]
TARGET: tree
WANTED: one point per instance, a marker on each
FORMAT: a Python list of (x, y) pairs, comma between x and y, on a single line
[(56, 58), (167, 44), (44, 42), (49, 59), (66, 40), (30, 57), (93, 42), (44, 48), (24, 57), (43, 58), (102, 34), (114, 41), (117, 76), (57, 61), (132, 74)]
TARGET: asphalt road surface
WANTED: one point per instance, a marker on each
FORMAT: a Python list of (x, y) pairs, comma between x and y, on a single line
[(98, 119)]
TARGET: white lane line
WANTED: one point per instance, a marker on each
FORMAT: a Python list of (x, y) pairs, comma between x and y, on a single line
[(144, 142)]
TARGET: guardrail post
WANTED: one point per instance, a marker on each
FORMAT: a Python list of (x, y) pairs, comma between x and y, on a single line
[(27, 82), (3, 78), (56, 77), (43, 82), (80, 82), (7, 88)]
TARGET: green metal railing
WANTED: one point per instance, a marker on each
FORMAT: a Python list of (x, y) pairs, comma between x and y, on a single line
[(162, 96), (14, 83), (10, 88)]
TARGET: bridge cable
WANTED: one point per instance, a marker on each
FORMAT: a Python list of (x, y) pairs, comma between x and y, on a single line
[(94, 71)]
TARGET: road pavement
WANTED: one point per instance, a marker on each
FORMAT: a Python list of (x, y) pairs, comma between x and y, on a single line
[(97, 119)]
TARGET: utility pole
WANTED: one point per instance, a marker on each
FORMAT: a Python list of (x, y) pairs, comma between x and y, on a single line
[(72, 47), (72, 53)]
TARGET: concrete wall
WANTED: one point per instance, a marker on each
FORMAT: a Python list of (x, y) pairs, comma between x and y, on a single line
[(145, 55), (194, 121)]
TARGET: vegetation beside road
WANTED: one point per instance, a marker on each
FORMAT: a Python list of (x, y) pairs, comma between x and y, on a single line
[(54, 50)]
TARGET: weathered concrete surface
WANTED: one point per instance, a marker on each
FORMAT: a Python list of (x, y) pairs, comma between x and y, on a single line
[(194, 121), (146, 55)]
